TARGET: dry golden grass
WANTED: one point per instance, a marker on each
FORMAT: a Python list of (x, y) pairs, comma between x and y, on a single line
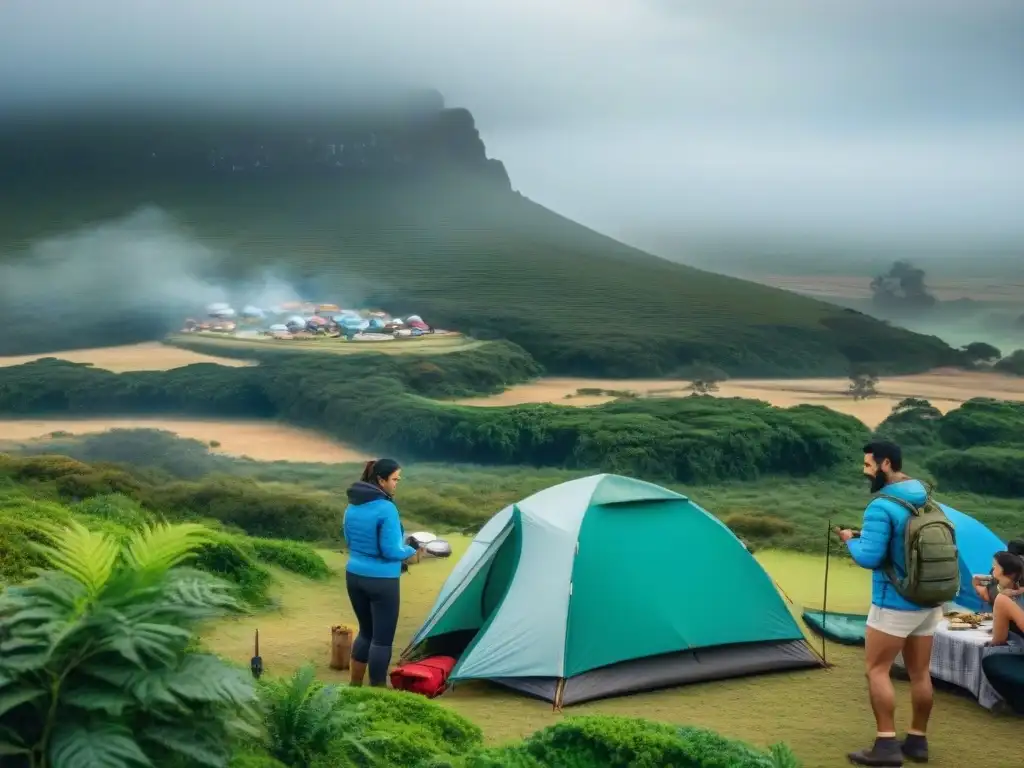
[(945, 388), (150, 356), (261, 440), (822, 714)]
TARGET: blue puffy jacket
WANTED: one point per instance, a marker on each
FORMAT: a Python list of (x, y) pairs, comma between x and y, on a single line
[(881, 538), (373, 533)]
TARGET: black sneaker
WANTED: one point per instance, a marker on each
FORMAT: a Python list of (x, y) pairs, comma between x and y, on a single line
[(886, 753), (915, 748)]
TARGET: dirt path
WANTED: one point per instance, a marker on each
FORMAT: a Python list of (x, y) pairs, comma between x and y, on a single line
[(149, 356), (946, 389), (260, 440)]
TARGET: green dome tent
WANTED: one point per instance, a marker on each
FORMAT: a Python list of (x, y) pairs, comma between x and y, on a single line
[(605, 586)]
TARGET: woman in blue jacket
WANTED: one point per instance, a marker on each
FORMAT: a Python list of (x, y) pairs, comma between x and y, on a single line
[(376, 548)]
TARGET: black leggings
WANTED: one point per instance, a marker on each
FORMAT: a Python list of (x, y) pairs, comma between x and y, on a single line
[(375, 602)]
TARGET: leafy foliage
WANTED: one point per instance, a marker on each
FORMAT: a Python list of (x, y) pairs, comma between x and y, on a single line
[(912, 422), (305, 721), (601, 740), (685, 439), (992, 470), (95, 666)]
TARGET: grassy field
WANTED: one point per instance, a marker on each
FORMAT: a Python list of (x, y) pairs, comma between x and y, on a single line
[(426, 345), (490, 263), (822, 714)]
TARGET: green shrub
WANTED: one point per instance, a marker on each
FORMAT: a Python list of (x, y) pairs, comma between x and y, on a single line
[(382, 400), (509, 756), (912, 422), (225, 556), (421, 719), (117, 508), (21, 525), (983, 421), (257, 510), (290, 555), (305, 722), (985, 470), (615, 741)]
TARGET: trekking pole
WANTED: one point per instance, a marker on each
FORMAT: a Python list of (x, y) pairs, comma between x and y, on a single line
[(256, 663), (824, 597)]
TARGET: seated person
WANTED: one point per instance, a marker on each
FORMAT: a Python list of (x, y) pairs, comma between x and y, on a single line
[(1008, 605), (987, 587)]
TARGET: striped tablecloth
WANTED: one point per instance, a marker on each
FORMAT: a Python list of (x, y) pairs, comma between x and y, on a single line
[(956, 659)]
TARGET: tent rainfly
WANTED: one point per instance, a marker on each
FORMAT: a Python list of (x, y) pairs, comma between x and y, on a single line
[(605, 586)]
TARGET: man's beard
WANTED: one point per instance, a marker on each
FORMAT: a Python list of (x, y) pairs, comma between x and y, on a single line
[(878, 481)]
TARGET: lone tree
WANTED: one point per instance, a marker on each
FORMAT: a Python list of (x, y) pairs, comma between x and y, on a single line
[(863, 384), (901, 288), (704, 379), (978, 352)]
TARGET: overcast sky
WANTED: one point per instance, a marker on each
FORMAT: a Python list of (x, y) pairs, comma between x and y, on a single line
[(874, 118)]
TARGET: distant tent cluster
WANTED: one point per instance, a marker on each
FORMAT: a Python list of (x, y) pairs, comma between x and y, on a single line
[(299, 319)]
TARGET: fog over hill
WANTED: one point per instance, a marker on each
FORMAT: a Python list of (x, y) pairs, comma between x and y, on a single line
[(890, 120)]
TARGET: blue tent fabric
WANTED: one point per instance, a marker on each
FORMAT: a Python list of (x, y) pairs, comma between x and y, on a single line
[(977, 544)]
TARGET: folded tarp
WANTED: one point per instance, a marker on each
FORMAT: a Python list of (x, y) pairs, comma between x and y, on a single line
[(845, 628)]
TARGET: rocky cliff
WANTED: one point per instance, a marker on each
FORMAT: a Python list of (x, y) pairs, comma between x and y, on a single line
[(410, 135)]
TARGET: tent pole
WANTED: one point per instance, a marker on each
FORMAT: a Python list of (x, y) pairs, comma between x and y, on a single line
[(559, 690), (824, 598)]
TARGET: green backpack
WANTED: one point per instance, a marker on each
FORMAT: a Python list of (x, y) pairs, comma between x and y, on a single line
[(930, 555)]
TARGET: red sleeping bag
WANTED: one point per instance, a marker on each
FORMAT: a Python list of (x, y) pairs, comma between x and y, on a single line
[(428, 677)]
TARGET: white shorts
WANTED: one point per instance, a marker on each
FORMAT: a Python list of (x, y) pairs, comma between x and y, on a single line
[(922, 623)]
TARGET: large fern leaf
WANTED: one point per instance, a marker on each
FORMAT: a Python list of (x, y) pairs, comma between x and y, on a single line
[(85, 555), (157, 549), (104, 745)]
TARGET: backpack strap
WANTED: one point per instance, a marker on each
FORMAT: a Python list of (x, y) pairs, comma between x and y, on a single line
[(889, 567)]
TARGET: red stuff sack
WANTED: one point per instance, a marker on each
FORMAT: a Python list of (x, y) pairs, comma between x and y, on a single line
[(428, 677)]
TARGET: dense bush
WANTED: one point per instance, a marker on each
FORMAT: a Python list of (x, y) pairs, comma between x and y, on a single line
[(989, 470), (983, 421), (244, 504), (912, 422), (312, 725), (290, 555), (617, 741), (22, 519), (379, 400), (235, 558)]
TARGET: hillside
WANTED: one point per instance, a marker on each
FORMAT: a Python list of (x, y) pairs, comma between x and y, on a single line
[(417, 220)]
